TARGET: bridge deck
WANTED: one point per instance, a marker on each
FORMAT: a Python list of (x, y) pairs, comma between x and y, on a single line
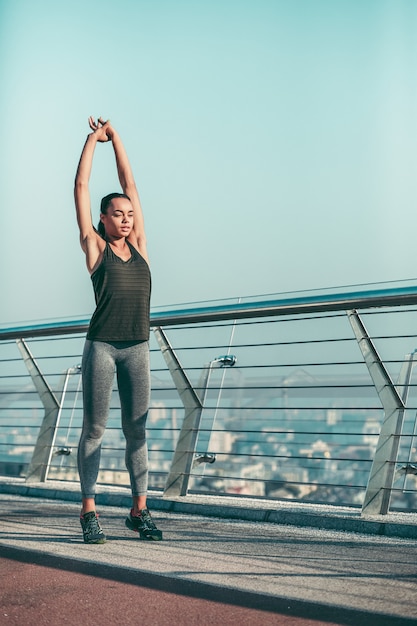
[(207, 570)]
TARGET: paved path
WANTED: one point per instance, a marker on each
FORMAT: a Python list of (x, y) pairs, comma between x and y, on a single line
[(207, 571)]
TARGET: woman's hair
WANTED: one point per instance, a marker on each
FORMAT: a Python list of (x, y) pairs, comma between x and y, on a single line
[(105, 203)]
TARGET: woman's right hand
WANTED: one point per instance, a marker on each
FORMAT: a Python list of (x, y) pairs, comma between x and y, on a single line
[(101, 129)]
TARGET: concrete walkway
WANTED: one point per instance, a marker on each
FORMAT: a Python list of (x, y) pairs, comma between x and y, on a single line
[(208, 570), (325, 517)]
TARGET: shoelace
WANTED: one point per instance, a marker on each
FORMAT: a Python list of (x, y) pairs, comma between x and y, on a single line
[(146, 517), (93, 527)]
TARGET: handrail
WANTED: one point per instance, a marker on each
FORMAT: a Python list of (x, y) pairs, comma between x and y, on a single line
[(285, 462), (387, 297)]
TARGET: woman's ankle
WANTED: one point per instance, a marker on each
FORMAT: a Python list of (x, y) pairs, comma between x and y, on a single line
[(88, 505)]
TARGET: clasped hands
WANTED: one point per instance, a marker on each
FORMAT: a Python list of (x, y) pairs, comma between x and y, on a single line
[(102, 129)]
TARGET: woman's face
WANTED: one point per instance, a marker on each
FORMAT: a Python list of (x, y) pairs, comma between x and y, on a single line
[(118, 221)]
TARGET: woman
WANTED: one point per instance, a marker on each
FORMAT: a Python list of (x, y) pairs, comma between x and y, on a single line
[(118, 335)]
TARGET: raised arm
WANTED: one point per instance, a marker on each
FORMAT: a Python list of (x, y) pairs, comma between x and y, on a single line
[(90, 240), (127, 182)]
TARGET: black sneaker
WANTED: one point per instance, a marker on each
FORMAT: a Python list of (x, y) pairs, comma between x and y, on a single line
[(144, 525), (92, 530)]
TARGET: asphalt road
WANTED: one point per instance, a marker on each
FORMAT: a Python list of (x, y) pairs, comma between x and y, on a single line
[(207, 571)]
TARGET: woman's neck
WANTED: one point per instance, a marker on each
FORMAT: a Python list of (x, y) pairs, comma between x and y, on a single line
[(120, 244)]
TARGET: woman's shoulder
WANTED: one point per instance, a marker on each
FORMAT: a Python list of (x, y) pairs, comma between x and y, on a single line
[(140, 249), (133, 247), (136, 253), (95, 251)]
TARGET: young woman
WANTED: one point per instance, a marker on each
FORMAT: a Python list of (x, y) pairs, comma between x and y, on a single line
[(118, 335)]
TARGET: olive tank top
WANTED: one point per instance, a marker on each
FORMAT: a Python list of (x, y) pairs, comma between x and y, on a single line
[(122, 292)]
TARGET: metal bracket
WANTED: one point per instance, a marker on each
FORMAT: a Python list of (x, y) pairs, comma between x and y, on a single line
[(405, 470), (204, 458)]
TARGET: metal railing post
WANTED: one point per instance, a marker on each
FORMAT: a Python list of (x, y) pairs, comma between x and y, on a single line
[(184, 458), (178, 477), (38, 467), (382, 474)]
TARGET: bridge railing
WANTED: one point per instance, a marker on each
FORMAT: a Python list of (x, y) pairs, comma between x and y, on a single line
[(306, 396)]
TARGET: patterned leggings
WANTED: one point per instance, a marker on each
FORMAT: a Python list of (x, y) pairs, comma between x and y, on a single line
[(99, 362)]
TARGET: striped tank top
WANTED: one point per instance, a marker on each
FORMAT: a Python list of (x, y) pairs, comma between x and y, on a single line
[(122, 292)]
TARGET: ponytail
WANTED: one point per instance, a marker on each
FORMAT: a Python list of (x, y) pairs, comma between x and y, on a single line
[(101, 230)]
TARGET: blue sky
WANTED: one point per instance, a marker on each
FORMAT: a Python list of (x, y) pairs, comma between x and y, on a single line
[(274, 143)]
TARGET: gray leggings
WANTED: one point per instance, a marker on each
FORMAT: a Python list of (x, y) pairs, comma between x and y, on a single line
[(99, 362)]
